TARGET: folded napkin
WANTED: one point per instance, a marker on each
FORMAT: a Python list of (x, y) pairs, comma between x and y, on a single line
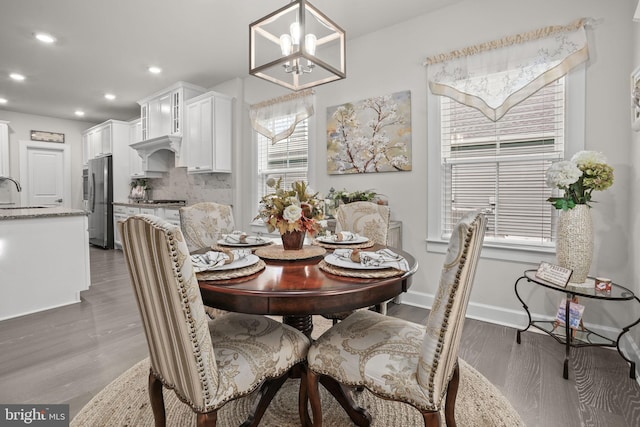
[(214, 259), (381, 258), (343, 236), (240, 237)]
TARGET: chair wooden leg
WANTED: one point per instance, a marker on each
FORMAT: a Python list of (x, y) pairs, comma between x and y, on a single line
[(358, 415), (431, 419), (267, 393), (314, 397), (208, 419), (450, 402), (157, 400), (303, 397)]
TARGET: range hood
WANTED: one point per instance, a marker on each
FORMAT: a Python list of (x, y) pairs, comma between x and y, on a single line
[(156, 153)]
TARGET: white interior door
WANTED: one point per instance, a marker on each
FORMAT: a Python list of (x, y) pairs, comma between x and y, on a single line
[(45, 174)]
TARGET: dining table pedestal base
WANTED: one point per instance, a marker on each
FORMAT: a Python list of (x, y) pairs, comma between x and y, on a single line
[(302, 323)]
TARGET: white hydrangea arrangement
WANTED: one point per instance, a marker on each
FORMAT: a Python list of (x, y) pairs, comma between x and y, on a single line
[(579, 177)]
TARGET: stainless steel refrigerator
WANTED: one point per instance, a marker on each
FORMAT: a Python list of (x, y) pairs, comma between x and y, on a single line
[(101, 202)]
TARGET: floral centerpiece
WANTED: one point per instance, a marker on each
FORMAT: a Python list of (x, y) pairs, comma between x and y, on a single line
[(579, 177), (291, 211), (140, 189)]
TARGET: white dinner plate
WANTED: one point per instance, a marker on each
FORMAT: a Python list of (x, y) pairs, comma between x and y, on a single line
[(223, 242), (358, 240), (240, 263), (344, 263)]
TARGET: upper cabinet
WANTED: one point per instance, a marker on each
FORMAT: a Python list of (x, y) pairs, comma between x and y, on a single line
[(4, 148), (207, 136), (110, 137), (97, 141), (161, 113), (136, 167)]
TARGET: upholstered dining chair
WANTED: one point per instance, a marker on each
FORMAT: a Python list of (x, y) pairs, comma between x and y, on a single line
[(400, 360), (203, 224), (206, 362), (365, 218), (370, 220)]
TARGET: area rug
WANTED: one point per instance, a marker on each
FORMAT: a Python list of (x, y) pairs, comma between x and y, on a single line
[(125, 402)]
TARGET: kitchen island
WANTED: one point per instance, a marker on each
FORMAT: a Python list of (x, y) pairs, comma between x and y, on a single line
[(44, 258)]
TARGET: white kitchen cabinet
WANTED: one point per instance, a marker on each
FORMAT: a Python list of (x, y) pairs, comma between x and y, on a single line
[(122, 212), (136, 169), (85, 149), (135, 161), (172, 215), (4, 148), (207, 136), (162, 113), (111, 137)]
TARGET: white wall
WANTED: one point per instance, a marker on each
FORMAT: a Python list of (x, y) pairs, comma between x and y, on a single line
[(390, 60), (634, 185), (20, 128)]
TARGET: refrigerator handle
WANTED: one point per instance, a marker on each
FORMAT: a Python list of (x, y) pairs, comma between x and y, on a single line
[(92, 193)]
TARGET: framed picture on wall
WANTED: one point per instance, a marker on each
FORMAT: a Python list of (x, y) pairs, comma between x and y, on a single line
[(635, 99)]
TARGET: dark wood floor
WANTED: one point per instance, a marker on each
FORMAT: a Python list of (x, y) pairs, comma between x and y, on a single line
[(67, 355)]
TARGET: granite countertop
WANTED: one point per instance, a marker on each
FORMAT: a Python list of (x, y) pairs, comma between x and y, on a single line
[(8, 212), (149, 205)]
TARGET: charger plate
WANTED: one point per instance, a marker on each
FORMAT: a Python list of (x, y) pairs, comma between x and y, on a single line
[(362, 245), (231, 274), (278, 252), (365, 274)]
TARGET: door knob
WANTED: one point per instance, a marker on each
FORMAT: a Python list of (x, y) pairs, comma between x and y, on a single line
[(58, 200)]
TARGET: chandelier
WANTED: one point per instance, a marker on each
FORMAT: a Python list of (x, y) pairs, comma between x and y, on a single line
[(297, 47)]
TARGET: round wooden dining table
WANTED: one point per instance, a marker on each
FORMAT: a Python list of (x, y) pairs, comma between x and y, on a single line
[(298, 289)]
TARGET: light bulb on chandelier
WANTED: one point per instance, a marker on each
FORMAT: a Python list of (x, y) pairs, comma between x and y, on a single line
[(291, 43)]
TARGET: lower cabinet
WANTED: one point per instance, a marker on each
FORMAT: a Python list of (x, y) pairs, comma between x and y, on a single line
[(122, 212)]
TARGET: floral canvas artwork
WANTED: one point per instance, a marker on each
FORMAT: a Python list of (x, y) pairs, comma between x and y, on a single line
[(372, 135)]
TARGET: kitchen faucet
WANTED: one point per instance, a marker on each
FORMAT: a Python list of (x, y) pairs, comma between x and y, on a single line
[(2, 178)]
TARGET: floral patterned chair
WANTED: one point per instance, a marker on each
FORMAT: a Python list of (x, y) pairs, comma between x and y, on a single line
[(203, 224), (206, 362), (365, 218), (400, 360)]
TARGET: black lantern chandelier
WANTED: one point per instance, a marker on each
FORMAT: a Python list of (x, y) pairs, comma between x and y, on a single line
[(297, 47)]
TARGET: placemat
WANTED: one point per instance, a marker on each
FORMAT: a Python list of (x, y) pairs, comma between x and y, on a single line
[(365, 274), (278, 252), (363, 245), (231, 274)]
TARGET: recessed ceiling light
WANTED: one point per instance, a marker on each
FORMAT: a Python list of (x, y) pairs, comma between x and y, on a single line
[(109, 96), (3, 101), (79, 113), (17, 77), (45, 38), (155, 70)]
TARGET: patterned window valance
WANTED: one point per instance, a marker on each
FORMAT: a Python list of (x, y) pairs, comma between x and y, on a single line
[(495, 76), (295, 107)]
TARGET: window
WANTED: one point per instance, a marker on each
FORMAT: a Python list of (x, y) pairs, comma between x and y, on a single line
[(286, 159), (500, 167)]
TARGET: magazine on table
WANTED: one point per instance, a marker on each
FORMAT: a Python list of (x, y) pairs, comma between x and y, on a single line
[(575, 313)]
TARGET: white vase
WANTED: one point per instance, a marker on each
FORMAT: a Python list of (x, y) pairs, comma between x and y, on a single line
[(574, 244)]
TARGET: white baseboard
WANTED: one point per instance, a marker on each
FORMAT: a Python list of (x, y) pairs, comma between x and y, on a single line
[(518, 319)]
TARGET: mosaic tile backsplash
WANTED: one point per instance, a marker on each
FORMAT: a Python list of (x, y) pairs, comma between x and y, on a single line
[(194, 188)]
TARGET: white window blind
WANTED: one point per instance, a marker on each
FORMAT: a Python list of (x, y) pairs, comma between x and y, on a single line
[(286, 159), (500, 166)]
